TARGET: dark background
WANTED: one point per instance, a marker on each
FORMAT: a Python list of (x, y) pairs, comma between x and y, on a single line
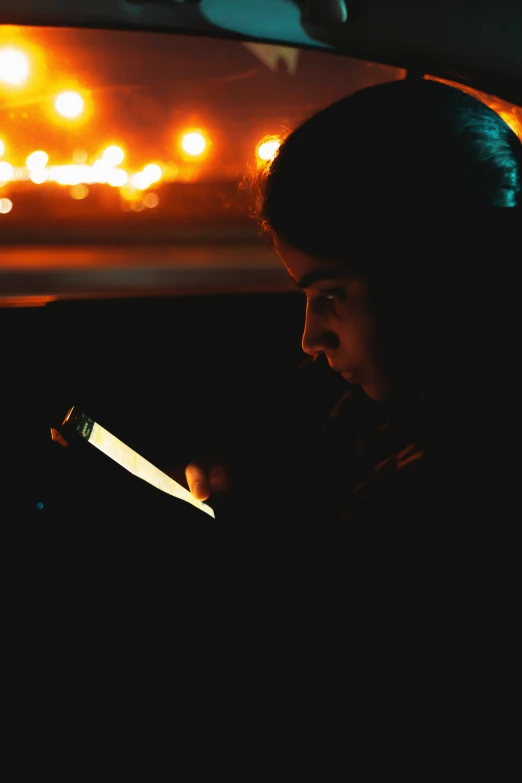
[(168, 376)]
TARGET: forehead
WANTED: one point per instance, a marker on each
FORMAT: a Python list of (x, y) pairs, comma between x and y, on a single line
[(306, 270)]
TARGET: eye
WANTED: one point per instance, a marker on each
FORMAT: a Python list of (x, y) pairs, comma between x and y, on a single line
[(326, 299), (331, 295)]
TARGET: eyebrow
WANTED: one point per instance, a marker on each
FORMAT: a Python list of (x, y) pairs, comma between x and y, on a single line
[(331, 273)]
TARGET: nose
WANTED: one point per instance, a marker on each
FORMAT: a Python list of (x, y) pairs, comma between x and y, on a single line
[(317, 338)]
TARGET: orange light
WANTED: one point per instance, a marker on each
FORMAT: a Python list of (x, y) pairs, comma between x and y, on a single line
[(267, 148), (6, 171), (38, 176), (193, 143), (79, 192), (2, 148), (128, 192), (117, 178), (113, 155), (69, 104), (140, 180), (37, 160), (511, 120), (14, 67), (153, 172), (6, 206), (144, 179), (80, 155), (151, 200), (101, 170)]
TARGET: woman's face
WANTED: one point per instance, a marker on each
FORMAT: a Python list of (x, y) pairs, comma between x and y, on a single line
[(338, 321)]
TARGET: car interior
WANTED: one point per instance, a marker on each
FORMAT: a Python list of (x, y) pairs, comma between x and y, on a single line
[(135, 283)]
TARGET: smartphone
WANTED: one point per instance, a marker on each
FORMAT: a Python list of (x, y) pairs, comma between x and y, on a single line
[(80, 425)]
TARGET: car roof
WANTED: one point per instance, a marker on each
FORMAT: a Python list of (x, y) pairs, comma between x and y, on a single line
[(469, 41)]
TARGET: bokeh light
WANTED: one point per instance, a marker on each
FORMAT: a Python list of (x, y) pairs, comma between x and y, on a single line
[(128, 192), (38, 176), (69, 104), (37, 160), (6, 206), (101, 171), (267, 148), (153, 172), (6, 171), (80, 155), (113, 155), (79, 192), (117, 178), (14, 67), (144, 179), (140, 180), (2, 148), (151, 200), (193, 143)]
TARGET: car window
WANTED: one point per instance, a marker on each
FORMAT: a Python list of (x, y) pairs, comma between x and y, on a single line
[(112, 142), (104, 133)]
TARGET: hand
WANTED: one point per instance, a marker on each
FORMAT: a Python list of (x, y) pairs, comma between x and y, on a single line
[(207, 476)]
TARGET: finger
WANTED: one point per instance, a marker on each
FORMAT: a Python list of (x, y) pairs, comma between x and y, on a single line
[(197, 481)]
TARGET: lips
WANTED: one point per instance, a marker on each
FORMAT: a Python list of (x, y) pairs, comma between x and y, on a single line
[(346, 372), (341, 370)]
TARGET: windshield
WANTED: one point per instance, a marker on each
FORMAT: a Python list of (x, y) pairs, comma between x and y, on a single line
[(106, 135)]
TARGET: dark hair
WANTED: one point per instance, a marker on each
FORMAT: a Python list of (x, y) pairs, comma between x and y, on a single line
[(390, 181), (387, 150)]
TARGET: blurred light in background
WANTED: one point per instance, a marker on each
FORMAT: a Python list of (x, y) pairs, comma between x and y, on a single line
[(151, 200), (128, 192), (193, 143), (6, 171), (2, 148), (100, 170), (267, 148), (37, 160), (79, 192), (113, 155), (153, 172), (80, 155), (144, 179), (140, 181), (38, 176), (69, 104), (6, 206), (14, 67), (117, 178)]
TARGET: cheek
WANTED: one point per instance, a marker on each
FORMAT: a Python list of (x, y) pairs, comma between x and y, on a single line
[(357, 336)]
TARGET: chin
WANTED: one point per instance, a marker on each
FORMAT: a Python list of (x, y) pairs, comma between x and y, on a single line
[(376, 393)]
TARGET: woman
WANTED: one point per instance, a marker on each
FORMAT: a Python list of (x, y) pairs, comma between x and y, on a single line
[(382, 207)]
